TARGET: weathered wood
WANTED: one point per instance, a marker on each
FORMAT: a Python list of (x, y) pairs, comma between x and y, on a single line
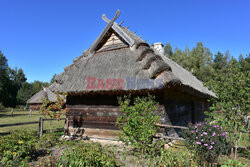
[(97, 41), (40, 127), (171, 126), (12, 112), (99, 125), (28, 123), (173, 138), (17, 124), (119, 31)]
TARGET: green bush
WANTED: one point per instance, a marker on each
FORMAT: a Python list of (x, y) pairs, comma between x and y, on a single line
[(48, 140), (17, 148), (88, 154), (172, 158), (233, 163), (137, 123), (207, 142)]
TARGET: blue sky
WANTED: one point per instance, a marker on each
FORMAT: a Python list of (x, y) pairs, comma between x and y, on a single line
[(44, 36)]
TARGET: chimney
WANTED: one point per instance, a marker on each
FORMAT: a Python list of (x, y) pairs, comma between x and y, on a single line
[(159, 47)]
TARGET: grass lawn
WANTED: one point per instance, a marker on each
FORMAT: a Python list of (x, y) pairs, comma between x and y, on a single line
[(23, 116)]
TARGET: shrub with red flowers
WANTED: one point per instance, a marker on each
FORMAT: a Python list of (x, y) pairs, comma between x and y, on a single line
[(206, 142)]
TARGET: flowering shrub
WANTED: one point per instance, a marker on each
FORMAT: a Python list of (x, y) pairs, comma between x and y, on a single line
[(17, 148), (206, 142)]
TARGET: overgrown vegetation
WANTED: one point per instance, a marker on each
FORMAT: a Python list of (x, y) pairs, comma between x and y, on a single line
[(138, 124), (54, 110), (17, 148), (206, 142), (88, 154), (228, 77)]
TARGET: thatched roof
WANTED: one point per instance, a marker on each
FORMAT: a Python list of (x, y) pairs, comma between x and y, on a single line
[(121, 61), (44, 93)]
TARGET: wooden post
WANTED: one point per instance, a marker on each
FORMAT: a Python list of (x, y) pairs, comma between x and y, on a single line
[(12, 112), (30, 112), (40, 128)]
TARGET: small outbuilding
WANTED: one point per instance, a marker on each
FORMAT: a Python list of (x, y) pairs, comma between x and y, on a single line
[(120, 63), (35, 102)]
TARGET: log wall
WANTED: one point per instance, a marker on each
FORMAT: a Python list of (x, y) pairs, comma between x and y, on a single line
[(35, 107), (98, 113)]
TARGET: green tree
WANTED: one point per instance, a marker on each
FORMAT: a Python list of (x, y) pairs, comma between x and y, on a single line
[(168, 50), (16, 78), (24, 93), (232, 90), (37, 86), (220, 61), (3, 77), (198, 60)]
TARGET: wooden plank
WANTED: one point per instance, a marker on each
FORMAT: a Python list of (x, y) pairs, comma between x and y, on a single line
[(119, 31), (28, 123), (99, 125), (40, 127), (171, 126), (17, 124), (90, 106), (54, 119), (97, 41), (173, 138)]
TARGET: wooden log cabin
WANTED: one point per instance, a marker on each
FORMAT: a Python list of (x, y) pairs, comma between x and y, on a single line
[(120, 63)]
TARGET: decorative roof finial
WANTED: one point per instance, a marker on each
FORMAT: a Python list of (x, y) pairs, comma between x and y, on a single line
[(104, 17)]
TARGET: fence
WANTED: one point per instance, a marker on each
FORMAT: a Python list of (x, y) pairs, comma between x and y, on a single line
[(39, 122)]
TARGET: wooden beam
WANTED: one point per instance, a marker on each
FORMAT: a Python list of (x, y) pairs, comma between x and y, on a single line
[(119, 31), (99, 38), (171, 126), (16, 124), (28, 123)]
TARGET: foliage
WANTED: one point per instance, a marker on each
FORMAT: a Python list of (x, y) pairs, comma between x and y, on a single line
[(137, 122), (54, 110), (233, 163), (4, 78), (24, 93), (49, 161), (17, 148), (38, 85), (14, 89), (207, 142), (172, 158), (198, 60), (227, 77), (232, 88), (48, 140), (88, 154)]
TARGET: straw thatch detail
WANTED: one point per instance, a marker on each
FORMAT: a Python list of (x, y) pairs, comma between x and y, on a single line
[(44, 93), (121, 62)]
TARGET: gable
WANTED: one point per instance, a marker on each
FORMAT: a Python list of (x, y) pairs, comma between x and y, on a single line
[(111, 41)]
